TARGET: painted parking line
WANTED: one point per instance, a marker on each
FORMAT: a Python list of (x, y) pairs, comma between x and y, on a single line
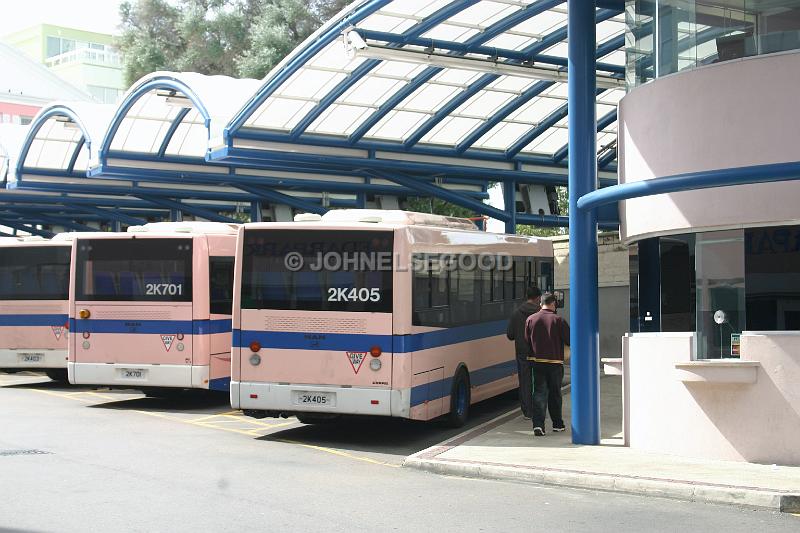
[(212, 416), (67, 395), (339, 453)]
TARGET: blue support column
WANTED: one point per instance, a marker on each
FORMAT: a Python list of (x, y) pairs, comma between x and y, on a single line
[(510, 204), (584, 338), (175, 215), (255, 212)]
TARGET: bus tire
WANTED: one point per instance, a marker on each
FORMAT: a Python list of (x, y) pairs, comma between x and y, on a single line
[(459, 400), (59, 375)]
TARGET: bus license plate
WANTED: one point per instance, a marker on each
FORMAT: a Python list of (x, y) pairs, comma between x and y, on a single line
[(327, 399), (133, 373), (31, 357)]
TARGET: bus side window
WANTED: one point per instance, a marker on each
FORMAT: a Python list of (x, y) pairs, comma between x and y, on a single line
[(421, 289), (220, 277)]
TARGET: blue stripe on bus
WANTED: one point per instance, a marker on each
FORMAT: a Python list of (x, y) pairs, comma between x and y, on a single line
[(186, 327), (209, 327), (220, 384), (442, 388), (363, 342), (33, 320)]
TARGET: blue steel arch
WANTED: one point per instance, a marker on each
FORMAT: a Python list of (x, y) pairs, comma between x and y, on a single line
[(38, 123), (148, 85)]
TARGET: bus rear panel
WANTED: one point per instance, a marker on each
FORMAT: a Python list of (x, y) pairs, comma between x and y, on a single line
[(34, 290), (150, 311), (312, 338)]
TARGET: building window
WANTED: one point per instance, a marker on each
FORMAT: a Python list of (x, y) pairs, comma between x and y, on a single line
[(719, 263), (718, 284), (667, 36), (772, 280), (677, 273), (106, 95)]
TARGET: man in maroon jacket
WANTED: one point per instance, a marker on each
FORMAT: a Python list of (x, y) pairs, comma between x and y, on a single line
[(547, 333)]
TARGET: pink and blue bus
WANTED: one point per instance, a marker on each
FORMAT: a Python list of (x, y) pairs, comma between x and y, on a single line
[(34, 288), (369, 312), (150, 309)]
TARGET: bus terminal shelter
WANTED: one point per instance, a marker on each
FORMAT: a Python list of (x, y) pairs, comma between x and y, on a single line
[(439, 98)]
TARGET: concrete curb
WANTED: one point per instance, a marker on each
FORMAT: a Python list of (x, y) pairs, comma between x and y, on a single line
[(749, 497), (678, 490)]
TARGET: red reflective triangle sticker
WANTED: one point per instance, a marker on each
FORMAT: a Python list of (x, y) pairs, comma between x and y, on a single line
[(356, 360), (167, 340)]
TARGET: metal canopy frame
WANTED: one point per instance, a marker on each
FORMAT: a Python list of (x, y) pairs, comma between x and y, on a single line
[(442, 89), (179, 132), (192, 106)]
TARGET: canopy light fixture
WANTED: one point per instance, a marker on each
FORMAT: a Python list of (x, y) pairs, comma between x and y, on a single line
[(66, 122), (356, 46), (173, 98)]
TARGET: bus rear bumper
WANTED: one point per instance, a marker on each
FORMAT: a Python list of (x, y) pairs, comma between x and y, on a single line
[(33, 359), (282, 399), (135, 375)]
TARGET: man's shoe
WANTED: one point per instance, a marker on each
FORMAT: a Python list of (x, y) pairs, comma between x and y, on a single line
[(538, 432), (526, 417), (559, 429)]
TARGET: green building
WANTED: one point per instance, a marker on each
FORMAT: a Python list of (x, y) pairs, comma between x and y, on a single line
[(85, 59)]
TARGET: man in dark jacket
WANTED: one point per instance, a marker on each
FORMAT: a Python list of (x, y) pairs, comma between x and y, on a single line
[(547, 333), (516, 333)]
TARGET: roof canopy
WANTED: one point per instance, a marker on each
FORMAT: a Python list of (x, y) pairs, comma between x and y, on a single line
[(391, 98), (471, 81)]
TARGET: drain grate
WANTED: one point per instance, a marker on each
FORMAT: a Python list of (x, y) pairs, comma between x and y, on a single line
[(23, 452)]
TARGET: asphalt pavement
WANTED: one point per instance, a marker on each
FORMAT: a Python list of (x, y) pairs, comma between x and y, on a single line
[(77, 459)]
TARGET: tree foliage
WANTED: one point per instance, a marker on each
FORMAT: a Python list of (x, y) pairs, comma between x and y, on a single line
[(240, 38), (437, 206)]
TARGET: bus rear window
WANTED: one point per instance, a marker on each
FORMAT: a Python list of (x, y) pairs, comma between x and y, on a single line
[(318, 270), (134, 270), (34, 273)]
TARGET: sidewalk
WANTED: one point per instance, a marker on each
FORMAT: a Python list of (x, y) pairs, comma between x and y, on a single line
[(506, 449)]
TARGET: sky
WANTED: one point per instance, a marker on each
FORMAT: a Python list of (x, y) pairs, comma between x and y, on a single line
[(92, 15)]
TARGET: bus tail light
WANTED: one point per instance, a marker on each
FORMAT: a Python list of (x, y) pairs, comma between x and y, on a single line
[(375, 351), (255, 346), (84, 313), (86, 334), (254, 396)]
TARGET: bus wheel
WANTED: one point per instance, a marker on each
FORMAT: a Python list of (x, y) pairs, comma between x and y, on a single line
[(312, 418), (459, 400), (58, 375)]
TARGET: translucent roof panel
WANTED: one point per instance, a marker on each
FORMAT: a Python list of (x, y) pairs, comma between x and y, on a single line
[(175, 114), (475, 78), (62, 134)]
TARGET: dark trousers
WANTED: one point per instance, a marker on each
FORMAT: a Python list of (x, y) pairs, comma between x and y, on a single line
[(547, 378), (525, 387)]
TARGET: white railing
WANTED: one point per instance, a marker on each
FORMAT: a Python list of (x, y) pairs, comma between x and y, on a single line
[(85, 55)]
